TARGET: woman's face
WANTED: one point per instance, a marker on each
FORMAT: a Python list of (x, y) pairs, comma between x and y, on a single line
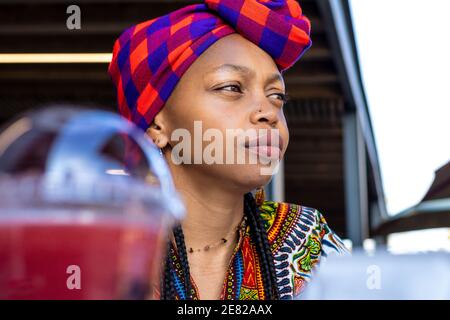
[(233, 85)]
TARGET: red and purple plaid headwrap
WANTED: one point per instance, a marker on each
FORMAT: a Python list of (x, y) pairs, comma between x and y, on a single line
[(150, 58)]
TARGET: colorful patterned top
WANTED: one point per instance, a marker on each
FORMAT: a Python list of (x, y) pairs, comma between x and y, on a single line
[(299, 237)]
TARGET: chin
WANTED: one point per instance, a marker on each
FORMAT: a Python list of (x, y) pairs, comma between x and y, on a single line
[(249, 177)]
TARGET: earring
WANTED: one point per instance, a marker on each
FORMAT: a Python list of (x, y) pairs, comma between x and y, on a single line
[(260, 196), (161, 153)]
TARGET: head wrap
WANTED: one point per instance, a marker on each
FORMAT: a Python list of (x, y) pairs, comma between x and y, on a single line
[(150, 58)]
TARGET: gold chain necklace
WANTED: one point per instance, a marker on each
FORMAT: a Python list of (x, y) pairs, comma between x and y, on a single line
[(223, 240)]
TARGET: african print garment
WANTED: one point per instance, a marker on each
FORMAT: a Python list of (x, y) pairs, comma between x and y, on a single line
[(299, 237)]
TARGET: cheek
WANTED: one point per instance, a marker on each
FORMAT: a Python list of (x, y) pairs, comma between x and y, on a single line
[(185, 111), (216, 113), (284, 132), (286, 139), (199, 119)]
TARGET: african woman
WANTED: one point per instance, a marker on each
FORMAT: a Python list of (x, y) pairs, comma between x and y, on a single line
[(221, 62)]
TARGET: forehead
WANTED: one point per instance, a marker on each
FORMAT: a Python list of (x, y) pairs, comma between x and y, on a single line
[(236, 50)]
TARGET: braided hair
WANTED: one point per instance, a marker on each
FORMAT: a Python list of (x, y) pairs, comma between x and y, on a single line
[(259, 238)]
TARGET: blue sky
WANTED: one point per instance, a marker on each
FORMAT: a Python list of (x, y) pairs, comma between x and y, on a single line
[(404, 51)]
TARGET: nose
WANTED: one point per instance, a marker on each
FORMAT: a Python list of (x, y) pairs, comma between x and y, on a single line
[(264, 112)]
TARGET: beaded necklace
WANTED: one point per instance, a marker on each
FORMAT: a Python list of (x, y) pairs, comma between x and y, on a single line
[(223, 240)]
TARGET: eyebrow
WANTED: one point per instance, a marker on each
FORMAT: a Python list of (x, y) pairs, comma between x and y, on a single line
[(274, 78), (233, 67), (245, 71)]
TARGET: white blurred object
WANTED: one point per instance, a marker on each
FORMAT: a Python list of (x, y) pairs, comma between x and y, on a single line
[(381, 276), (348, 244), (419, 241), (369, 246)]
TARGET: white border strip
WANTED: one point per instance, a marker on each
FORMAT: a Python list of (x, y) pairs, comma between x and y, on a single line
[(55, 58)]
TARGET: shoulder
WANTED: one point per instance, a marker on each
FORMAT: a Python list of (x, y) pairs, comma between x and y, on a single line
[(299, 237), (289, 223)]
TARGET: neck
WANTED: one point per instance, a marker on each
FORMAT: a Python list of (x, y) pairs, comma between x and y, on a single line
[(212, 209)]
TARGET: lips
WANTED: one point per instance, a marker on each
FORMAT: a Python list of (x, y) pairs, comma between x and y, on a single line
[(266, 151), (267, 145)]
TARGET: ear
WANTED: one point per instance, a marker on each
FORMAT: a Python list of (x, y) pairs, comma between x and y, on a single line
[(158, 131)]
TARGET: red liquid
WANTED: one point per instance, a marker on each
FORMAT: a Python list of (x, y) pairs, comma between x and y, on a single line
[(115, 261)]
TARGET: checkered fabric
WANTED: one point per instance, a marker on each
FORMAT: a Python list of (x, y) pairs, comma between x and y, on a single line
[(150, 58)]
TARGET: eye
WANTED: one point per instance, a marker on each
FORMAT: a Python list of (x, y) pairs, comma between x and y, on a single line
[(281, 96), (232, 88)]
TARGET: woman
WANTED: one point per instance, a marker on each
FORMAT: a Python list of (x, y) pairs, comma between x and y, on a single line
[(221, 63)]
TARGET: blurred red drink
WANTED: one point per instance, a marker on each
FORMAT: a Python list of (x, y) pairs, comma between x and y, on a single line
[(86, 202), (46, 259)]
